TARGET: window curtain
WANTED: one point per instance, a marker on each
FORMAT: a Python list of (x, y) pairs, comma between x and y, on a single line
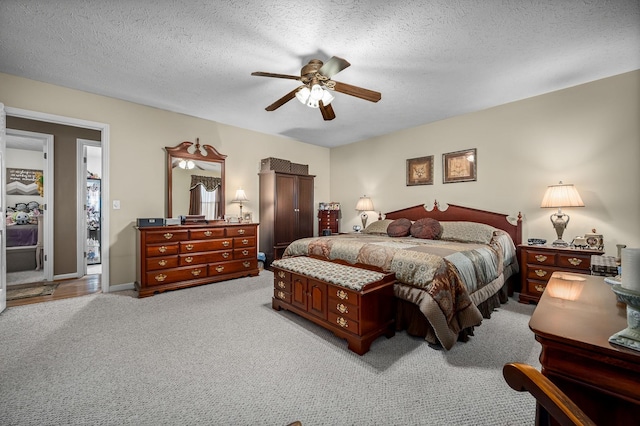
[(205, 196)]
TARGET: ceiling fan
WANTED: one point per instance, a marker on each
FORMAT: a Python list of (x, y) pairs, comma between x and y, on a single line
[(315, 91)]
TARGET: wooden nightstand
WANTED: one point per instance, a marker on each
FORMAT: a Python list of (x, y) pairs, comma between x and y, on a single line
[(537, 263)]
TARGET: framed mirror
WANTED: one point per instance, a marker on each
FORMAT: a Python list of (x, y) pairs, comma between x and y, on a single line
[(195, 181)]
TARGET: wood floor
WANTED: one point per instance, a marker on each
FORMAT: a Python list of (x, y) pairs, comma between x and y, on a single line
[(88, 284)]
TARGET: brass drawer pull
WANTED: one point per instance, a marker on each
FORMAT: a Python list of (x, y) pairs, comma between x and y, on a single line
[(226, 243), (245, 241), (162, 262), (575, 261), (188, 259), (342, 295), (168, 235), (342, 308), (208, 233), (342, 322), (540, 272), (539, 288), (281, 284), (225, 254), (541, 258), (162, 249), (245, 252), (246, 264), (241, 231), (281, 295), (189, 246), (196, 272), (220, 268), (281, 274), (160, 277)]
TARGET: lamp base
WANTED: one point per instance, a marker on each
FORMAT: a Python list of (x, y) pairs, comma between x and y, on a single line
[(364, 218), (560, 243)]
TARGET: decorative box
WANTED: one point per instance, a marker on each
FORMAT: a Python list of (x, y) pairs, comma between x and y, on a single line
[(275, 164), (604, 266), (299, 169)]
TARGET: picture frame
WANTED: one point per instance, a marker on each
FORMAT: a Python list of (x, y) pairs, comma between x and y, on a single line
[(460, 166), (420, 171), (247, 217)]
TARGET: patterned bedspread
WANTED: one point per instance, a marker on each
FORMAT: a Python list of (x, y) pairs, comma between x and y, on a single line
[(437, 276)]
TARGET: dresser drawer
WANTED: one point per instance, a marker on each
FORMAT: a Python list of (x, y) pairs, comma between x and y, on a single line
[(192, 246), (281, 284), (166, 276), (537, 272), (154, 263), (574, 261), (166, 236), (234, 266), (245, 253), (162, 249), (204, 234), (244, 242), (344, 322), (539, 258), (204, 257), (241, 231), (282, 275)]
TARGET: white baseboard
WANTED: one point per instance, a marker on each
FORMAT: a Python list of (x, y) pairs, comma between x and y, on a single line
[(65, 276), (121, 287)]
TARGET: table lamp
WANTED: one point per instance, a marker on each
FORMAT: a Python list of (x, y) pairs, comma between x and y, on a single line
[(364, 205), (559, 196)]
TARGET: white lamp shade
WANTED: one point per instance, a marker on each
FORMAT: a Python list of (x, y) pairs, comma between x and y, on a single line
[(303, 95), (364, 204), (317, 92), (562, 195), (240, 197), (327, 97)]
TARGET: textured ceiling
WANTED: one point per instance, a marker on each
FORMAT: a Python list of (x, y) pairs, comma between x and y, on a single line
[(429, 59)]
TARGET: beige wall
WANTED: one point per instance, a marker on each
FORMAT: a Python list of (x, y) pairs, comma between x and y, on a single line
[(137, 158), (588, 135)]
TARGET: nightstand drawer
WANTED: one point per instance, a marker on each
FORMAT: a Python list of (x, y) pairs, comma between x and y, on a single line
[(536, 287), (540, 258), (574, 261), (536, 272)]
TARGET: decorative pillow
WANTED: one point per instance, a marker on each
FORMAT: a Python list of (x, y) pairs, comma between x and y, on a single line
[(470, 232), (426, 228), (399, 228), (378, 227)]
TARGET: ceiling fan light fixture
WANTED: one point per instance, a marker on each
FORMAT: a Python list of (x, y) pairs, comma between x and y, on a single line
[(327, 97), (313, 103), (303, 95), (316, 91)]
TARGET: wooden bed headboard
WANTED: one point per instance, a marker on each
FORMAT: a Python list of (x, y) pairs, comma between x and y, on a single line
[(459, 213)]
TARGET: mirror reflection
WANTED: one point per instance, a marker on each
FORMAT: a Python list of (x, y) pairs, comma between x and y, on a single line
[(195, 181)]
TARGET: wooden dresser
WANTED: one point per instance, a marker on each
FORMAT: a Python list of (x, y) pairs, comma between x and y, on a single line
[(173, 257), (573, 321), (537, 263)]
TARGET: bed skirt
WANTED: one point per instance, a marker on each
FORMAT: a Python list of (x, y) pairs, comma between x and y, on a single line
[(410, 319)]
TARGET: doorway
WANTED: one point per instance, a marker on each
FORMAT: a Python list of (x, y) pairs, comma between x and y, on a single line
[(29, 207), (103, 130), (89, 244)]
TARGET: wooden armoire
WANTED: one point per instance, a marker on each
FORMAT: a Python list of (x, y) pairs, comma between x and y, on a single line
[(286, 211)]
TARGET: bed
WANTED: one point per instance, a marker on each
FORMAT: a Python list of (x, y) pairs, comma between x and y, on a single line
[(24, 237), (446, 284)]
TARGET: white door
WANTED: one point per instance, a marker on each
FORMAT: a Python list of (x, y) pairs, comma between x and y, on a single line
[(3, 190)]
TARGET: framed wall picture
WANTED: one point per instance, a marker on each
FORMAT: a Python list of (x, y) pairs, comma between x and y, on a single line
[(459, 166), (420, 171)]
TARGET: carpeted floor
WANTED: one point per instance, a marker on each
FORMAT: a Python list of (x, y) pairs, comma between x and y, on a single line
[(24, 292), (218, 354)]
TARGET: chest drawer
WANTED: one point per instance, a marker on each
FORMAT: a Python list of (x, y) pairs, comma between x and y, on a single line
[(241, 231), (205, 257), (174, 275), (166, 236), (245, 253), (204, 234), (344, 322), (162, 249), (233, 266), (202, 245), (154, 263), (342, 308)]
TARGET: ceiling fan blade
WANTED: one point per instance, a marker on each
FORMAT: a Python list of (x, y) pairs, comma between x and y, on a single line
[(327, 111), (283, 100), (333, 66), (270, 74), (358, 92)]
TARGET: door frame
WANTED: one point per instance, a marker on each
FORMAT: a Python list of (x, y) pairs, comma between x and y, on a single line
[(81, 153), (104, 200), (47, 150)]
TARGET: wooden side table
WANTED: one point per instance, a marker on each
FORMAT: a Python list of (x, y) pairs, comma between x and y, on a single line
[(573, 321), (537, 263)]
